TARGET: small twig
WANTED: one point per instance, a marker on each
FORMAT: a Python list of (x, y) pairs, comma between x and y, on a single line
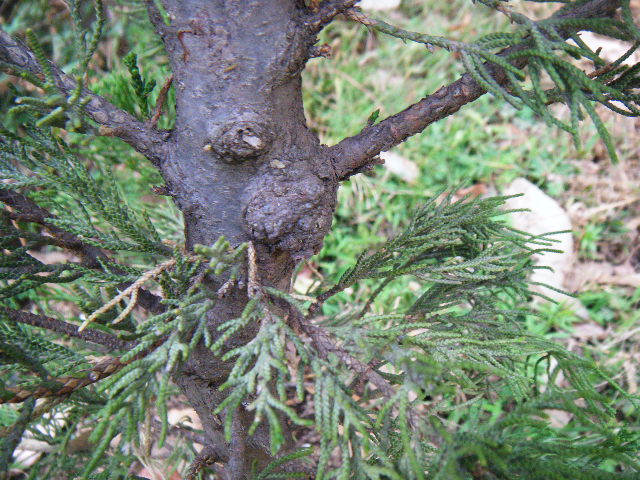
[(24, 209), (64, 386), (303, 298), (58, 326), (188, 434), (323, 297), (129, 308), (512, 15), (428, 41), (238, 447), (327, 11), (185, 50), (253, 282), (162, 97), (206, 457), (602, 70), (323, 342), (325, 345), (131, 290), (357, 16), (596, 73), (145, 431), (254, 285)]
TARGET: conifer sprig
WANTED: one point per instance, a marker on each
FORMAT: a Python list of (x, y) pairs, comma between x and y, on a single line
[(409, 393), (51, 164), (58, 107), (141, 87), (463, 329), (401, 422), (541, 48)]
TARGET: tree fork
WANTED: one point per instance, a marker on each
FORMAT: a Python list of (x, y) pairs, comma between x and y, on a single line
[(242, 163)]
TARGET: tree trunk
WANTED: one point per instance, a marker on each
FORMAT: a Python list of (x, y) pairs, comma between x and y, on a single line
[(242, 162)]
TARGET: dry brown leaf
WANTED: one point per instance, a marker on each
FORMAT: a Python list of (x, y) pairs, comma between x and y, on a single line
[(558, 418), (589, 331), (53, 257), (602, 273)]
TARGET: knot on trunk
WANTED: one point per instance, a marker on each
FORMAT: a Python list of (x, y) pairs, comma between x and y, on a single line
[(290, 207), (240, 141)]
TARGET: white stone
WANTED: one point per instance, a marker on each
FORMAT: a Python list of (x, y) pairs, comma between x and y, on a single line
[(401, 166), (379, 4), (545, 216)]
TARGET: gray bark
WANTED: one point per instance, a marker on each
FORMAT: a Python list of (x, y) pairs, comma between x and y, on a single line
[(242, 163)]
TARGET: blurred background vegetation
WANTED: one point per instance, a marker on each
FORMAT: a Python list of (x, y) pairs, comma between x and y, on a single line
[(485, 146)]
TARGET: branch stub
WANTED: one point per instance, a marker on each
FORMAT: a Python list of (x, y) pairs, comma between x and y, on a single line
[(241, 141)]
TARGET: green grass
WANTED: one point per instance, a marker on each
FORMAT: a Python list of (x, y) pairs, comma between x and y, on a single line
[(486, 142)]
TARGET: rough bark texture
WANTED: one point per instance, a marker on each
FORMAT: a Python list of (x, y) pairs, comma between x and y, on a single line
[(242, 163)]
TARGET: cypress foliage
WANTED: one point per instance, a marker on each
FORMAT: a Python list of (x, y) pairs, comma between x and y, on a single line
[(547, 54), (404, 394)]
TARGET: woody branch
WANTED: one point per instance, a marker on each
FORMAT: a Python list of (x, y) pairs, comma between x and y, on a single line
[(112, 120), (353, 153)]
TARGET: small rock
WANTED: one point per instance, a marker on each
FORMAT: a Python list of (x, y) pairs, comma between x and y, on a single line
[(379, 4), (401, 166), (545, 216), (589, 331), (558, 418)]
